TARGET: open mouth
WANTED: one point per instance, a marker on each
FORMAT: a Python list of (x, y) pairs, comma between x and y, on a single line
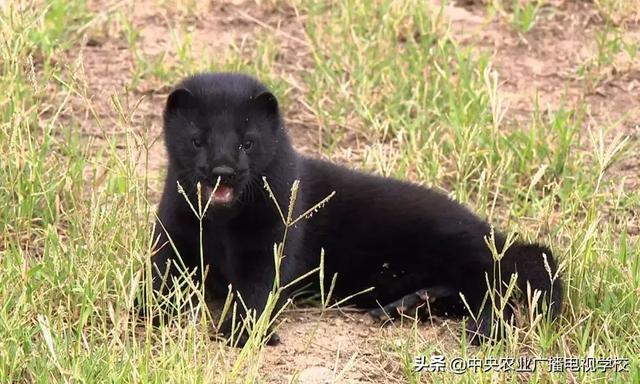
[(223, 194)]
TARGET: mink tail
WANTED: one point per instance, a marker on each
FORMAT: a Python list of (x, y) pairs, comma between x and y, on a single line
[(535, 266)]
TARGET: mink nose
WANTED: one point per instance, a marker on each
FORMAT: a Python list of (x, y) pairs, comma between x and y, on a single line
[(223, 171)]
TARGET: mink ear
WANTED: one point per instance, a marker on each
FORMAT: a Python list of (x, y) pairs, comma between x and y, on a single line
[(180, 98), (266, 102)]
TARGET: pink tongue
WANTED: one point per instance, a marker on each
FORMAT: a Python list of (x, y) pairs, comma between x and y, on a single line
[(223, 194)]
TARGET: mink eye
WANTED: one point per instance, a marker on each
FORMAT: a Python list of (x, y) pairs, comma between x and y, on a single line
[(197, 143), (246, 145)]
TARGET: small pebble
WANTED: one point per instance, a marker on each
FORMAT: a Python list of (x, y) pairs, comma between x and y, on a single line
[(316, 375)]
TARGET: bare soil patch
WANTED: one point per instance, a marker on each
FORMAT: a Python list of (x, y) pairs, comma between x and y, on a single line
[(351, 346)]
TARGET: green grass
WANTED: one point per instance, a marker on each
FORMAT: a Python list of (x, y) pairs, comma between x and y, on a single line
[(400, 93), (615, 52), (521, 14)]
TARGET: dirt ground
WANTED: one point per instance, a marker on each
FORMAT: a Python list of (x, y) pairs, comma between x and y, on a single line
[(543, 62)]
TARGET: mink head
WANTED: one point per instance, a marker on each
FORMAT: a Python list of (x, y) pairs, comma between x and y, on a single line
[(221, 129)]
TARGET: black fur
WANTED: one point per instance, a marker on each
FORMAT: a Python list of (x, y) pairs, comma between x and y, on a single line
[(378, 232)]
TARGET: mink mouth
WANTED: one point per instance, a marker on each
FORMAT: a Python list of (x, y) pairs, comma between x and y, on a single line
[(221, 195)]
